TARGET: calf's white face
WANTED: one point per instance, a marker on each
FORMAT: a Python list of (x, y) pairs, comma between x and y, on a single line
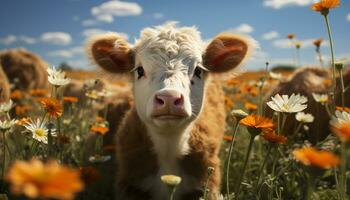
[(169, 66)]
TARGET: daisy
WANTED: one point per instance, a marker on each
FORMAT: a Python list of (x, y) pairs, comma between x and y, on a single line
[(6, 107), (57, 77), (239, 114), (292, 104), (7, 124), (320, 98), (340, 117), (39, 130), (304, 118)]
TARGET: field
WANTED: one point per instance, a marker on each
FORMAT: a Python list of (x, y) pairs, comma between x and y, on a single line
[(286, 136)]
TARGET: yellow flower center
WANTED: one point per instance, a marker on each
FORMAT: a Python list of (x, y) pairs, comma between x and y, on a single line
[(285, 106), (39, 132)]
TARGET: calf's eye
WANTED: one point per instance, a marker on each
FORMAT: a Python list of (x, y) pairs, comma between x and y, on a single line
[(198, 72), (140, 72)]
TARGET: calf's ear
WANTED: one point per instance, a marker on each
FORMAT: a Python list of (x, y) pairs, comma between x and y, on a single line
[(111, 52), (226, 52)]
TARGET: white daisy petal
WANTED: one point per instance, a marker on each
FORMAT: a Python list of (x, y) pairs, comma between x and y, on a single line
[(292, 104)]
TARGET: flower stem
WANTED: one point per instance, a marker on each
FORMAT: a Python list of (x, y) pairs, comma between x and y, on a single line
[(342, 177), (310, 187), (342, 87), (229, 159), (334, 85), (258, 185), (244, 165), (4, 157)]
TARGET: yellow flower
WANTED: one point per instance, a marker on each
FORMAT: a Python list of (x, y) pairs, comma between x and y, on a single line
[(52, 106), (36, 179), (171, 180), (325, 5), (313, 157)]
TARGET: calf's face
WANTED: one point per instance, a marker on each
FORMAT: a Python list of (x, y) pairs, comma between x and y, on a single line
[(170, 67)]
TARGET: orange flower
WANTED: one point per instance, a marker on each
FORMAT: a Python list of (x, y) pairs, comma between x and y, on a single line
[(290, 36), (38, 92), (324, 5), (342, 130), (250, 106), (21, 110), (70, 99), (228, 102), (318, 42), (23, 121), (17, 94), (228, 138), (256, 121), (271, 136), (313, 157), (36, 179), (52, 106), (346, 109), (102, 130)]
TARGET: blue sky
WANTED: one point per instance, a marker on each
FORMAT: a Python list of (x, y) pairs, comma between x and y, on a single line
[(57, 30)]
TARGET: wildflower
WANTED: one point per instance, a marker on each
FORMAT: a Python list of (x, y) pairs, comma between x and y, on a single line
[(290, 36), (16, 94), (318, 42), (340, 117), (292, 104), (271, 136), (93, 94), (102, 130), (57, 77), (228, 138), (105, 93), (320, 98), (38, 92), (313, 157), (100, 119), (256, 123), (22, 109), (171, 180), (36, 179), (70, 99), (23, 121), (39, 130), (276, 76), (7, 124), (325, 5), (6, 107), (52, 106), (342, 130), (239, 114), (250, 106), (346, 109), (304, 118)]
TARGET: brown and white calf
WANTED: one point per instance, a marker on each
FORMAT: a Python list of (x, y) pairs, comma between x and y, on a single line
[(178, 118)]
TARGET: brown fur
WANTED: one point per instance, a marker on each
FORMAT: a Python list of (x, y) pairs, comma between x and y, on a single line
[(4, 87), (136, 159), (346, 76), (24, 69), (305, 81), (78, 88)]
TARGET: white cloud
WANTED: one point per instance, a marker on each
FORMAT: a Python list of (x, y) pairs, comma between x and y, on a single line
[(8, 40), (242, 29), (277, 4), (58, 38), (95, 31), (348, 17), (27, 40), (158, 15), (106, 12), (306, 43), (67, 53), (81, 64), (270, 35)]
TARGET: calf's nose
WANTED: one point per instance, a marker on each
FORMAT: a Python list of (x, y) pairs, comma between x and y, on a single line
[(169, 99)]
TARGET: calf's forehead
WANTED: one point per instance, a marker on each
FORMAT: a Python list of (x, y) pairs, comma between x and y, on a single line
[(169, 45)]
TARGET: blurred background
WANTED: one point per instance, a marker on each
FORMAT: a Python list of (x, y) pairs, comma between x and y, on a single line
[(57, 30)]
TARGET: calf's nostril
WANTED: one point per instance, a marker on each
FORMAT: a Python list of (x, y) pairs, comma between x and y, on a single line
[(159, 101), (179, 101)]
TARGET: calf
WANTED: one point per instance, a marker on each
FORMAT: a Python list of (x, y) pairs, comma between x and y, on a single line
[(4, 87), (177, 121)]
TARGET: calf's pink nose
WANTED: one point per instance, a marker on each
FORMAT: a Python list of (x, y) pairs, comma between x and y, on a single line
[(168, 99)]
